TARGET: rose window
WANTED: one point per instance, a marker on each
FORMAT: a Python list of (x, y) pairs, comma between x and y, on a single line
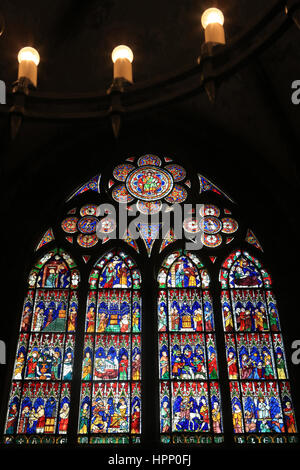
[(149, 183)]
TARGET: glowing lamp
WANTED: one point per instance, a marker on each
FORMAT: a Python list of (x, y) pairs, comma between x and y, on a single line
[(28, 59), (122, 58), (212, 21)]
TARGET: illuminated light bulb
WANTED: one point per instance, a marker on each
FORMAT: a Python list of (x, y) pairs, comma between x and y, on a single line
[(212, 21), (122, 52), (122, 58), (28, 59), (212, 15), (28, 53)]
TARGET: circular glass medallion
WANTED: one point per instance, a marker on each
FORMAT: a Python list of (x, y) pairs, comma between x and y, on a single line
[(87, 241), (229, 225), (122, 171), (178, 195), (210, 224), (209, 209), (149, 207), (149, 160), (120, 194), (212, 241), (87, 224), (107, 225), (149, 183), (69, 224), (88, 209), (191, 225), (176, 171)]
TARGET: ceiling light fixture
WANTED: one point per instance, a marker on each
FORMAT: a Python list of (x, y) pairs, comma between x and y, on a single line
[(122, 58), (212, 21), (28, 59)]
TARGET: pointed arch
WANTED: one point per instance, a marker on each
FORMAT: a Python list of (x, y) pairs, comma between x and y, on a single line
[(109, 398), (257, 370), (39, 403), (190, 401), (110, 404)]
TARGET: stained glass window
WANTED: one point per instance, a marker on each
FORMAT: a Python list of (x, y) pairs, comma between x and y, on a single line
[(92, 185), (110, 404), (106, 401), (39, 404), (190, 401), (47, 238), (260, 391), (206, 185)]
